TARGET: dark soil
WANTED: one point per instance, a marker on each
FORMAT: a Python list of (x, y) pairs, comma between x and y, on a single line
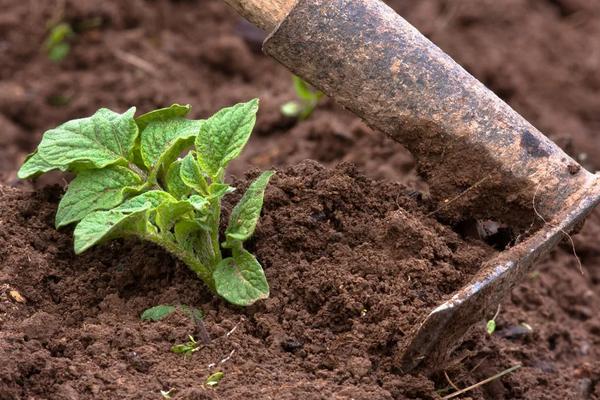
[(328, 237), (353, 264)]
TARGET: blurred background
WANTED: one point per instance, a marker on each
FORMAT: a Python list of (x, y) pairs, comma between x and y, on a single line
[(65, 59)]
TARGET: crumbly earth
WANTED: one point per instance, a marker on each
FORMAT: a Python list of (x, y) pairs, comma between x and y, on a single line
[(353, 265), (539, 56)]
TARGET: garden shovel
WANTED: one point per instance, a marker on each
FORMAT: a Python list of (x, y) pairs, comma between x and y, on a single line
[(481, 159)]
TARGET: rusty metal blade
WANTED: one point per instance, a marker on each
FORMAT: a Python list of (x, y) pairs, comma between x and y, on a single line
[(447, 323)]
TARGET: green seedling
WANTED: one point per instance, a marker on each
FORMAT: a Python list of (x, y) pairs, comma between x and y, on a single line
[(490, 327), (214, 379), (167, 394), (57, 43), (130, 183), (187, 348), (308, 99), (159, 312)]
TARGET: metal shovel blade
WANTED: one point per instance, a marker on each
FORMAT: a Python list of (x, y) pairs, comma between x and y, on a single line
[(373, 62)]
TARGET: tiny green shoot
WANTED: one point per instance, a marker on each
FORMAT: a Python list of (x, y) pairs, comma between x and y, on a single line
[(304, 106), (159, 312), (490, 327), (187, 348), (167, 394), (57, 43), (214, 379), (131, 182)]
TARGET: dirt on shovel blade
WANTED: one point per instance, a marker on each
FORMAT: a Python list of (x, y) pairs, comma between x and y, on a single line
[(353, 263)]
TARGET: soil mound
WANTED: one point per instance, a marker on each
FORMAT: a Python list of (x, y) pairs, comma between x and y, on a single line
[(353, 265)]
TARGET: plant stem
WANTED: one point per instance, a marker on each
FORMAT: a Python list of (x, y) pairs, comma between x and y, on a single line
[(214, 237), (142, 174), (188, 258), (216, 215)]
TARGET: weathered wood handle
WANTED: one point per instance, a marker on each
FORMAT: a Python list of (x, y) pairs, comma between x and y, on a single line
[(265, 14)]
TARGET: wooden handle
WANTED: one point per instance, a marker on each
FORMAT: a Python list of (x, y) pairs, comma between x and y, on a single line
[(265, 14)]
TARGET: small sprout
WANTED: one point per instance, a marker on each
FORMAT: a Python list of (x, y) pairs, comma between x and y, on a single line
[(308, 99), (130, 182), (491, 324), (166, 394), (214, 379), (157, 313), (56, 44), (363, 312), (186, 348)]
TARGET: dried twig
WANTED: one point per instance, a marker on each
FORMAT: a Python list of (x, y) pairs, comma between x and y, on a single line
[(450, 382), (483, 382), (136, 61)]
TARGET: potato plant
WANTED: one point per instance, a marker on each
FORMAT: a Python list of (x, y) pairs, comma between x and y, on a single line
[(131, 181)]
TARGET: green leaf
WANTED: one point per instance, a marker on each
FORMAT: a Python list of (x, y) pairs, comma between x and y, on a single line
[(189, 347), (162, 114), (199, 203), (100, 226), (59, 51), (217, 190), (152, 199), (193, 312), (195, 238), (103, 139), (92, 190), (164, 140), (223, 136), (169, 212), (191, 174), (175, 185), (303, 89), (214, 379), (491, 326), (33, 166), (241, 279), (246, 213), (129, 219), (157, 313), (59, 33)]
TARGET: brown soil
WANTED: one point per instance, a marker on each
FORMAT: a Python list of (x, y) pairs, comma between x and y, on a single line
[(79, 336), (341, 253)]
